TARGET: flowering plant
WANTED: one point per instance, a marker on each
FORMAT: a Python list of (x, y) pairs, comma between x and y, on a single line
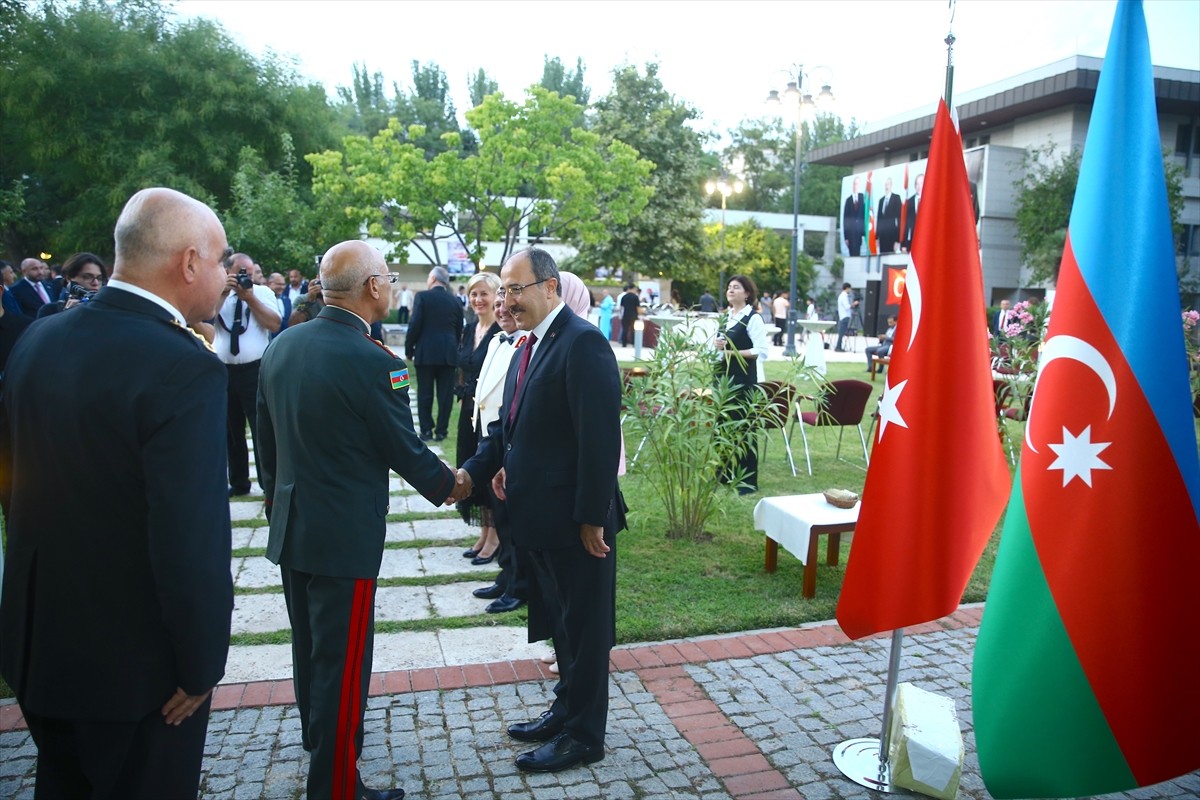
[(1191, 320), (1019, 345)]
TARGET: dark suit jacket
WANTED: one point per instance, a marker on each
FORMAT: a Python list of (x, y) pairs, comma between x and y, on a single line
[(853, 219), (121, 592), (434, 329), (286, 302), (28, 298), (910, 222), (887, 224), (325, 446), (561, 449)]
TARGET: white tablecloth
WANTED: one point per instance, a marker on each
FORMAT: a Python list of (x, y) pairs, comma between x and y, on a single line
[(789, 519)]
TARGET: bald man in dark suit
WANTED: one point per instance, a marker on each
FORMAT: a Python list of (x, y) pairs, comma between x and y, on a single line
[(327, 443), (115, 617)]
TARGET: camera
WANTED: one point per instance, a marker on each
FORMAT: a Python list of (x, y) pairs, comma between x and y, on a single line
[(243, 280), (79, 293)]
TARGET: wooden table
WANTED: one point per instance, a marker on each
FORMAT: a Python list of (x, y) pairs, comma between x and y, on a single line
[(798, 522)]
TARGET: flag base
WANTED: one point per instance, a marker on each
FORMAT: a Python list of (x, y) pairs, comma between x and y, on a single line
[(859, 760)]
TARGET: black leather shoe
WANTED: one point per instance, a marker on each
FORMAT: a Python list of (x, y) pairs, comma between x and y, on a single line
[(542, 729), (426, 437), (489, 592), (470, 553), (378, 794), (479, 561), (561, 753), (504, 603)]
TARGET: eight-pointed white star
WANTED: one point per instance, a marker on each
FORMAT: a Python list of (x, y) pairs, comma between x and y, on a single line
[(1078, 456), (888, 412)]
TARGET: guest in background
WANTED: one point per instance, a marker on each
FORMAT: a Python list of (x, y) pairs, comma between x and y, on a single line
[(472, 351), (85, 273), (743, 343), (432, 345)]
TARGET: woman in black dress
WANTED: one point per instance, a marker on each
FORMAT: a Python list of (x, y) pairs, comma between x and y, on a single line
[(481, 295)]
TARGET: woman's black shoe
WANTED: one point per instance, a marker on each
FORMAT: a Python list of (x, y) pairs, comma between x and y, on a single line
[(479, 561)]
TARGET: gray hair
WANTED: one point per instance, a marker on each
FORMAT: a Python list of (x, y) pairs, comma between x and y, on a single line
[(347, 276), (440, 275)]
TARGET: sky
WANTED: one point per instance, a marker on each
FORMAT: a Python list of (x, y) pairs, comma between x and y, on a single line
[(881, 59)]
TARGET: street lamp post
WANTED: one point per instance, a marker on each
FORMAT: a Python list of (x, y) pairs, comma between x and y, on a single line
[(726, 189), (804, 104)]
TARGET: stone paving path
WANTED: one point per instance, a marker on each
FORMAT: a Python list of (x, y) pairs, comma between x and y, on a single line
[(751, 716)]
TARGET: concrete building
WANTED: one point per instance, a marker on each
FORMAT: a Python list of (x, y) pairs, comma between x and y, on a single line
[(1000, 123)]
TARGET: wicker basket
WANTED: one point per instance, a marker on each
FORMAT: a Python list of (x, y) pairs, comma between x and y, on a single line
[(842, 498)]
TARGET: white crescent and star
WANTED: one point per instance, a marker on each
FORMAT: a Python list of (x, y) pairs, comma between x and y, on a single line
[(1077, 456)]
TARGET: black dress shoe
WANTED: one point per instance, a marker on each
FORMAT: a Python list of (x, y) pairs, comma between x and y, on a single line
[(378, 794), (479, 561), (558, 754), (542, 729), (426, 437), (504, 603), (489, 592), (470, 553)]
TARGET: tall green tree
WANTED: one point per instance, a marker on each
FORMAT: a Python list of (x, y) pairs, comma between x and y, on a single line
[(428, 107), (273, 220), (533, 169), (568, 83), (667, 238), (99, 100), (363, 106), (480, 85)]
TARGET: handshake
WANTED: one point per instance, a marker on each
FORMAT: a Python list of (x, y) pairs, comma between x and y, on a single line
[(463, 486)]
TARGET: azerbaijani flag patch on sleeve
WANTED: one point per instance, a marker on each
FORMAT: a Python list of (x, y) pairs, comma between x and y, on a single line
[(399, 378)]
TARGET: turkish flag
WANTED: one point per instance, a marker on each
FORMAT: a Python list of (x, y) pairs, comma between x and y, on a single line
[(937, 482), (895, 290)]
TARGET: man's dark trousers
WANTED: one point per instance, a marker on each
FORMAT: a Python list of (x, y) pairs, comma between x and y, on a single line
[(121, 759), (332, 671), (429, 376), (582, 690), (243, 398)]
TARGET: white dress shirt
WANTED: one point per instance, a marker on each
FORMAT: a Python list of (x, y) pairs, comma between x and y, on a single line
[(253, 340)]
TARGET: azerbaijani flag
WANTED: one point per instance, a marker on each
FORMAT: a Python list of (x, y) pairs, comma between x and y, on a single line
[(937, 482), (1087, 665), (869, 220), (398, 378)]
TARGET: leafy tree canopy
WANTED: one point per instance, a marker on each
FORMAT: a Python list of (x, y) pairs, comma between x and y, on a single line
[(1045, 196), (667, 237), (100, 100), (557, 78), (533, 169)]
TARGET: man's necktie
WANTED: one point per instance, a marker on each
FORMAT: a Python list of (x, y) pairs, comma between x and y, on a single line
[(526, 354), (41, 290), (235, 330)]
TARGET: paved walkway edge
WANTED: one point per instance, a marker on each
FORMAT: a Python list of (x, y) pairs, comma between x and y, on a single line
[(648, 660)]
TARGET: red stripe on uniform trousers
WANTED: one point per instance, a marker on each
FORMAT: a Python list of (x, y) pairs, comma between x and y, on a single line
[(344, 757)]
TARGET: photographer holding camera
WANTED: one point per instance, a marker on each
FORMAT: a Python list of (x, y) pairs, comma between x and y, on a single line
[(244, 324), (84, 274)]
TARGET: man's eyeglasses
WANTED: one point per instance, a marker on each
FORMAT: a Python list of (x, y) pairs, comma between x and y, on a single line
[(516, 290), (392, 277)]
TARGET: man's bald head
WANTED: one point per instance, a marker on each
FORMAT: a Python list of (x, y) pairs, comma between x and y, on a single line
[(156, 224), (173, 246), (348, 264), (346, 272)]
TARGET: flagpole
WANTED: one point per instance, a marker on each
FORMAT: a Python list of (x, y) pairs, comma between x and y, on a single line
[(865, 761), (949, 40)]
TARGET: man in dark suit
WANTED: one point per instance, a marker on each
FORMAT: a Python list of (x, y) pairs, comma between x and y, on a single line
[(33, 291), (432, 345), (327, 504), (887, 221), (278, 285), (552, 458), (115, 617), (854, 221), (1001, 320), (911, 205)]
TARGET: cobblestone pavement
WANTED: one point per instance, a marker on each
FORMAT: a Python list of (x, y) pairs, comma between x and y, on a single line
[(751, 716)]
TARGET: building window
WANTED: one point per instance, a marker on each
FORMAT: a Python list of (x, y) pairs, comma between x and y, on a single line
[(985, 139)]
